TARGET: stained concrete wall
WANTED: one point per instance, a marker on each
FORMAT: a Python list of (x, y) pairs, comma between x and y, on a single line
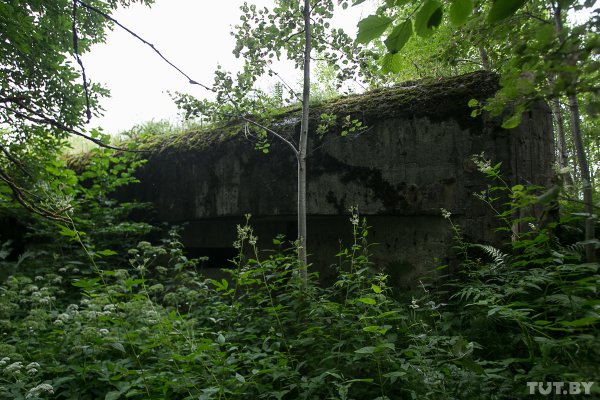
[(413, 160)]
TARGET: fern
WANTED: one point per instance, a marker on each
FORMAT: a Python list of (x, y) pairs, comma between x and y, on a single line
[(499, 259)]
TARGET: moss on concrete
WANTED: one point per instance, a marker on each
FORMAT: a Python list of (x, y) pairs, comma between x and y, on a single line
[(436, 99)]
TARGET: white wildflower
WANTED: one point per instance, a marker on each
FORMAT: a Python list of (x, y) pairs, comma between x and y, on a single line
[(414, 304), (252, 240), (64, 316), (36, 391), (110, 307), (4, 361), (39, 278), (481, 195), (445, 213), (103, 331), (483, 165), (14, 367)]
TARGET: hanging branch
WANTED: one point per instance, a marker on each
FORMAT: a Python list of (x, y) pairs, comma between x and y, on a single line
[(138, 37), (86, 89), (15, 161), (40, 118), (22, 197)]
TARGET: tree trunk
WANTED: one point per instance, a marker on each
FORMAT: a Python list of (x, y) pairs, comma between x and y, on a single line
[(303, 145), (584, 169), (485, 60), (590, 222), (561, 141)]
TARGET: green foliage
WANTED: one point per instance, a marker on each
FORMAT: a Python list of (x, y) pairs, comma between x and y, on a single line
[(460, 11), (502, 9), (372, 27), (41, 99), (155, 328), (428, 18), (398, 37)]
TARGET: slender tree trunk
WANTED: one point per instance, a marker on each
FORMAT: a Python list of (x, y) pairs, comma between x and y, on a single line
[(584, 169), (590, 222), (485, 60), (303, 145), (561, 141)]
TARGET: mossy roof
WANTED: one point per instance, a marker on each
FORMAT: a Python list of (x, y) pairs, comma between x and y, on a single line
[(438, 99)]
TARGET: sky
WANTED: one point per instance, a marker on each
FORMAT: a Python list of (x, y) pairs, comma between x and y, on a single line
[(194, 35)]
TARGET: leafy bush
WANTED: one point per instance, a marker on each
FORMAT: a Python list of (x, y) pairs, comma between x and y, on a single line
[(148, 325)]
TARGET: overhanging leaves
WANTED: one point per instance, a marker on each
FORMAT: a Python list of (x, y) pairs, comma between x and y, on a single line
[(459, 12), (502, 9), (399, 36), (372, 27), (428, 17)]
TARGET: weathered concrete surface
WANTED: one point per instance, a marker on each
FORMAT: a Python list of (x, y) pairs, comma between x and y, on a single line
[(413, 160)]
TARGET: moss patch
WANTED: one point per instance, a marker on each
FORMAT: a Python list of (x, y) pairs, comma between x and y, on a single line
[(437, 99)]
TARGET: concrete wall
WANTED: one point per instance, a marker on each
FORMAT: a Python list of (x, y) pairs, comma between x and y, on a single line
[(413, 160)]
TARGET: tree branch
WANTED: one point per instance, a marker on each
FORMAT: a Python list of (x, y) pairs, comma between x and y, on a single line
[(40, 118), (86, 89), (135, 35), (20, 196)]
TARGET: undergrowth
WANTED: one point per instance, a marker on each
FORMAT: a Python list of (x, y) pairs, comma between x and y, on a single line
[(146, 324)]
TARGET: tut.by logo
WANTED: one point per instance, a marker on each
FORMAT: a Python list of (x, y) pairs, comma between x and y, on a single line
[(560, 387)]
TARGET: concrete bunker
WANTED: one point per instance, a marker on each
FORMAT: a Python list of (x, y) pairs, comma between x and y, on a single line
[(414, 160)]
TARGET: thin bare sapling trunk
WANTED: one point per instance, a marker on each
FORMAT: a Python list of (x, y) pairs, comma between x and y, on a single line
[(302, 146)]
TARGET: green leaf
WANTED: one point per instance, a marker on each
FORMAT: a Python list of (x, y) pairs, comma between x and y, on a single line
[(436, 18), (64, 231), (545, 34), (473, 103), (365, 380), (107, 252), (117, 346), (113, 395), (86, 283), (372, 328), (502, 9), (579, 323), (428, 17), (367, 300), (549, 196), (366, 350), (470, 365), (459, 12), (399, 36), (513, 121), (394, 375), (357, 2), (375, 288), (391, 63), (372, 27)]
